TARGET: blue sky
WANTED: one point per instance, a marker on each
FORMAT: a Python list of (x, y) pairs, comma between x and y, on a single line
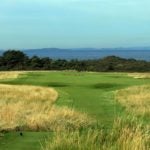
[(74, 23)]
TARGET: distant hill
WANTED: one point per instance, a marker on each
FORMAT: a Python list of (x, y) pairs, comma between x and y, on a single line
[(140, 53), (1, 52)]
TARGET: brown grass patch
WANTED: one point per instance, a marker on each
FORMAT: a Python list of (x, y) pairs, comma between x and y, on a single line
[(140, 75), (10, 74), (136, 99), (19, 103), (32, 108), (124, 135)]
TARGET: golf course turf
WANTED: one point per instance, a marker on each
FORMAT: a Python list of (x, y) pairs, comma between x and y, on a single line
[(91, 93)]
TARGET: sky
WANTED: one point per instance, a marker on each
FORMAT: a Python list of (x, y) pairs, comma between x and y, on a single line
[(74, 23)]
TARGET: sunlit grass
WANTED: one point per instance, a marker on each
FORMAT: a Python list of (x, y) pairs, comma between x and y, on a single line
[(139, 75), (91, 93), (10, 74), (127, 133), (32, 108), (19, 103), (124, 135), (135, 99)]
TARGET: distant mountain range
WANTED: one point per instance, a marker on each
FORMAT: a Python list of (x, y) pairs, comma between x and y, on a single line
[(140, 53)]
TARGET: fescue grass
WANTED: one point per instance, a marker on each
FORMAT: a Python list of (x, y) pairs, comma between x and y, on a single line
[(124, 135), (20, 105), (136, 99), (10, 74), (93, 94), (32, 108), (140, 75)]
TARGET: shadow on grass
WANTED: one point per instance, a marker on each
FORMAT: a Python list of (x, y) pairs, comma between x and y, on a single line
[(106, 86), (57, 84)]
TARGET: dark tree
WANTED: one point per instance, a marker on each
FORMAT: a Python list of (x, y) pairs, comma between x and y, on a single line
[(47, 63), (17, 60), (36, 63), (14, 60)]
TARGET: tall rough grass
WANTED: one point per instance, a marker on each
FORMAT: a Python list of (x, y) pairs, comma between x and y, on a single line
[(32, 108), (139, 75), (124, 135), (135, 99), (10, 74), (127, 133)]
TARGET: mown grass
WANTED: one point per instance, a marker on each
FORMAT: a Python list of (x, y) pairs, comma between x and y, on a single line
[(92, 93), (29, 140)]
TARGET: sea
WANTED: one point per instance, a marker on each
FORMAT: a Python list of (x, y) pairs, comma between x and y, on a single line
[(90, 54), (86, 54)]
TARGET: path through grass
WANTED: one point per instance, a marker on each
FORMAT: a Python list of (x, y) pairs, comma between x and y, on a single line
[(92, 93)]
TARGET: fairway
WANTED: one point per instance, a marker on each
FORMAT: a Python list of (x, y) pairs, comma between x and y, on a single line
[(91, 93)]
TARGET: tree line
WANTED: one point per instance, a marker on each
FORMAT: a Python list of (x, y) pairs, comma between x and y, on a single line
[(17, 60)]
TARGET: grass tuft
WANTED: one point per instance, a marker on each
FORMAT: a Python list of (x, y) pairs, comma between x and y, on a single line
[(124, 135), (140, 75), (32, 108), (135, 99), (10, 74)]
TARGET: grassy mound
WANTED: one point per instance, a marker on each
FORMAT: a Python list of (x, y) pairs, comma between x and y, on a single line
[(32, 108)]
